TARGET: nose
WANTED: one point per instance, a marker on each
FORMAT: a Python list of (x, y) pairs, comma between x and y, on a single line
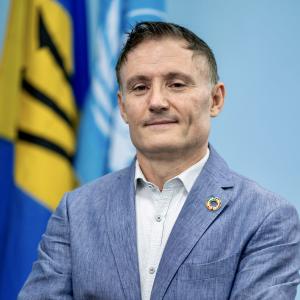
[(158, 100)]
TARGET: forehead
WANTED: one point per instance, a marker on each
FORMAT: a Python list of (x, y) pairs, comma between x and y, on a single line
[(153, 57)]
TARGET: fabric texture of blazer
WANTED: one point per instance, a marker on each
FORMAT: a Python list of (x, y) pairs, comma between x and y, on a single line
[(247, 249)]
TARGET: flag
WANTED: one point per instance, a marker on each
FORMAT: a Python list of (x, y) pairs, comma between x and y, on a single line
[(103, 140), (38, 117)]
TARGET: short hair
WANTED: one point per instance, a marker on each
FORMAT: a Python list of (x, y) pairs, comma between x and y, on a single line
[(144, 31)]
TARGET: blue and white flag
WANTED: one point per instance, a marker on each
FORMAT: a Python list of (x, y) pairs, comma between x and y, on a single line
[(103, 142)]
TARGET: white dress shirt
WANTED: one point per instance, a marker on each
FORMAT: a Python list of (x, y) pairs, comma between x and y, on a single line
[(156, 214)]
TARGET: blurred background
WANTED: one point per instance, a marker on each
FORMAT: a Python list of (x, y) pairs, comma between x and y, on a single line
[(59, 123)]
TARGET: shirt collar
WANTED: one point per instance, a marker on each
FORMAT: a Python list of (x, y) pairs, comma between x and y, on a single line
[(187, 177), (139, 175)]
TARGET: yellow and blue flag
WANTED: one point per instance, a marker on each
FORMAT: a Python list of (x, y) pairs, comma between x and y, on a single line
[(38, 119)]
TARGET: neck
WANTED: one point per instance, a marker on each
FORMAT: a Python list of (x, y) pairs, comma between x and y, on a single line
[(158, 169)]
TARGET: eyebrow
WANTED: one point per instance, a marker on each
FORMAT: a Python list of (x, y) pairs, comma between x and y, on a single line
[(179, 75), (135, 79), (168, 76)]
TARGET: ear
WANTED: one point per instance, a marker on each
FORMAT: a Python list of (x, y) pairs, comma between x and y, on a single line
[(218, 96), (122, 107)]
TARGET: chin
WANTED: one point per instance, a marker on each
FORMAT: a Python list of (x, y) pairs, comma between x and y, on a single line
[(159, 148)]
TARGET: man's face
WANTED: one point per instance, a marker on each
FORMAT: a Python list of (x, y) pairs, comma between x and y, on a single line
[(167, 98)]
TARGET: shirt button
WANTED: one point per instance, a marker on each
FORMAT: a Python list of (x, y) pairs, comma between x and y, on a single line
[(158, 218), (151, 270)]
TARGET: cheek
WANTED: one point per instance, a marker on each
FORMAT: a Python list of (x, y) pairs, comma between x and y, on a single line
[(135, 117), (199, 112)]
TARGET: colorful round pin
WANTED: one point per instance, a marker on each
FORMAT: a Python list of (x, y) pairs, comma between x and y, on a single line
[(213, 203)]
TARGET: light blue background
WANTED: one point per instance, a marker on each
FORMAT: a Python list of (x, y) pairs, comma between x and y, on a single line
[(4, 8), (257, 47)]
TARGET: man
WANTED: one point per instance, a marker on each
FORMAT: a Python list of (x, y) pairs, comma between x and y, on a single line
[(178, 223)]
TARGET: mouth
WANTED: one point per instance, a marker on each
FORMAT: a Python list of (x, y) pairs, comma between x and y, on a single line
[(160, 123)]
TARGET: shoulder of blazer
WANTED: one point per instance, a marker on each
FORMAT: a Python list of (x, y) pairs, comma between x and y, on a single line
[(99, 190), (248, 193)]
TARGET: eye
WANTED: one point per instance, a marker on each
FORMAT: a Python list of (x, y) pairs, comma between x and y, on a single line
[(177, 85), (139, 89)]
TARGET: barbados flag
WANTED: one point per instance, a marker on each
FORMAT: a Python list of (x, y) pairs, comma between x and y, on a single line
[(38, 117)]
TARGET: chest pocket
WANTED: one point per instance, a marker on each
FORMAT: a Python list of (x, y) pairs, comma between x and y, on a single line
[(211, 281)]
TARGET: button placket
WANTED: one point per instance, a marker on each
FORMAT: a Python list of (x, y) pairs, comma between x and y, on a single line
[(161, 204), (160, 223)]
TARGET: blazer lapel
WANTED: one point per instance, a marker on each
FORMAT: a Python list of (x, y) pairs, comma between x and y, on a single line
[(121, 223), (193, 220)]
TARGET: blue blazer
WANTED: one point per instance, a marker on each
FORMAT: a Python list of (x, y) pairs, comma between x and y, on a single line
[(247, 249)]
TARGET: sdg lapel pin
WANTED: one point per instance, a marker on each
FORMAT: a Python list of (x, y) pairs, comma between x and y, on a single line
[(213, 203)]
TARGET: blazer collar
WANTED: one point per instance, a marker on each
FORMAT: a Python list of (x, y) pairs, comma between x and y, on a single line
[(121, 224), (194, 219)]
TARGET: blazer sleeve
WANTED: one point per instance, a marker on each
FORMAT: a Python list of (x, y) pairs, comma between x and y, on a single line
[(270, 263), (50, 277)]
